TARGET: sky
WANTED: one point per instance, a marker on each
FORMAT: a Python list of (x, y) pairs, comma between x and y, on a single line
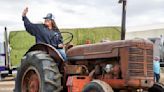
[(81, 13)]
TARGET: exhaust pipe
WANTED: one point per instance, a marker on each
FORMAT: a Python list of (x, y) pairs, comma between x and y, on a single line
[(8, 64), (123, 24)]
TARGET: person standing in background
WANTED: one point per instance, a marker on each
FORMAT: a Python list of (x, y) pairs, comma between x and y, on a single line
[(156, 68)]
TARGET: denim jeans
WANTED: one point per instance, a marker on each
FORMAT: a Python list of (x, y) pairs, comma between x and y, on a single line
[(63, 54), (156, 77)]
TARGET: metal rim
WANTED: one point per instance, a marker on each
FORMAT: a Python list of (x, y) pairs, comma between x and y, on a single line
[(31, 80)]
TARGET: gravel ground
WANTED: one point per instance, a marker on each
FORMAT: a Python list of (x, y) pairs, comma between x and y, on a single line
[(7, 85), (162, 75)]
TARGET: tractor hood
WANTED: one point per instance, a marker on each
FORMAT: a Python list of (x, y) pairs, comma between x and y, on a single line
[(103, 50)]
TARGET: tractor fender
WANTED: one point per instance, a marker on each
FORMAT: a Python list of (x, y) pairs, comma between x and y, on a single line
[(49, 50)]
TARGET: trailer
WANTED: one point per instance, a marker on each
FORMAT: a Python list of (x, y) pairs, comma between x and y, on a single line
[(5, 63)]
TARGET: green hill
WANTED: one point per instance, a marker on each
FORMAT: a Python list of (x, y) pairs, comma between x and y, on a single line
[(21, 41)]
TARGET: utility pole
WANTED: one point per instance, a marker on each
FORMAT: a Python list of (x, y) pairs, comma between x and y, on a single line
[(123, 24)]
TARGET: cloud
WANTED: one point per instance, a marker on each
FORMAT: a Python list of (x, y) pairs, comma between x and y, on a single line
[(144, 7), (145, 12), (79, 13)]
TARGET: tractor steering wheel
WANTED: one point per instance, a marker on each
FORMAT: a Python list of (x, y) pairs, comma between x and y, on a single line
[(67, 37)]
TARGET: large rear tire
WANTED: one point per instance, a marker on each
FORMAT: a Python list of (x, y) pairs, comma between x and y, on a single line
[(38, 73)]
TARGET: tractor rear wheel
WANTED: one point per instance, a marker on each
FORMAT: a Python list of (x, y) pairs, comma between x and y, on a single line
[(38, 73)]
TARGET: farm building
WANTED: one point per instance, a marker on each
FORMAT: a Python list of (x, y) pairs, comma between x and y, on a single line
[(145, 32)]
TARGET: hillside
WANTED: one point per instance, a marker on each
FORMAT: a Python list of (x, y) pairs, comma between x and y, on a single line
[(21, 41)]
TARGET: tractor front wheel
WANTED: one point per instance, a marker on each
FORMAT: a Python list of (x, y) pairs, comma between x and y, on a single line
[(97, 86), (157, 87)]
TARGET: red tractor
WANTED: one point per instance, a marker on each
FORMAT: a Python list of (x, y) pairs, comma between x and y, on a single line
[(125, 65), (102, 67)]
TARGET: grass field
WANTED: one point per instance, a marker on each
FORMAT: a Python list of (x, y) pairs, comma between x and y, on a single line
[(21, 41)]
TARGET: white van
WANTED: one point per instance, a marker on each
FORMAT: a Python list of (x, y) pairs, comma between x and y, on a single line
[(2, 56)]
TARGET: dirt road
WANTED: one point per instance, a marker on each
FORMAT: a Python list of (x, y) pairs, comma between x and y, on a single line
[(162, 78), (7, 85), (162, 75)]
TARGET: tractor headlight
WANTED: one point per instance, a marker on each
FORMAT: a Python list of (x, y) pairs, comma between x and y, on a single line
[(108, 68)]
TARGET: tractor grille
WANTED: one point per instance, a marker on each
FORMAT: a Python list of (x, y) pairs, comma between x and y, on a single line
[(140, 62)]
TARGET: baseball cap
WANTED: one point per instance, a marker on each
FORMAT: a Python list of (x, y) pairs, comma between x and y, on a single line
[(156, 58), (49, 16)]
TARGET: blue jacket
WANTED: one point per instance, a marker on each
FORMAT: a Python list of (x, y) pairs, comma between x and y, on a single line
[(42, 33)]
